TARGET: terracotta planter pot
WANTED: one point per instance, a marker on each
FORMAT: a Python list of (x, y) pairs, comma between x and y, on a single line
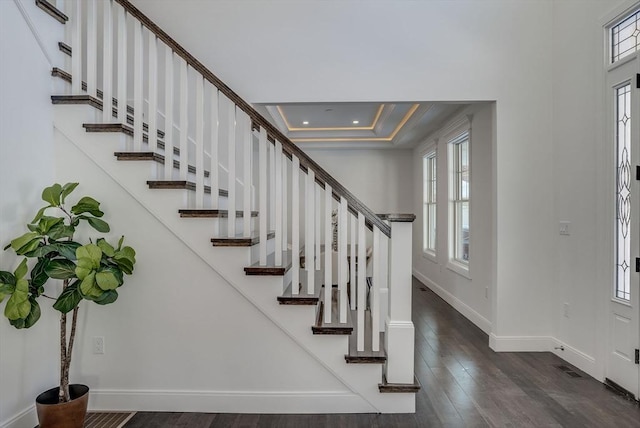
[(52, 414)]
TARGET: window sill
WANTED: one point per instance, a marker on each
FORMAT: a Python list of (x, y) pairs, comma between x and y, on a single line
[(459, 268), (429, 256)]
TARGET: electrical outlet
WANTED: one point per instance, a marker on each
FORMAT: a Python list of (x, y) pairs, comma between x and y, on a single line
[(566, 310), (564, 228), (98, 345)]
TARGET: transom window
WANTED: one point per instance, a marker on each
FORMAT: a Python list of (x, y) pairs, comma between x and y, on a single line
[(623, 192), (460, 186), (625, 37), (429, 200)]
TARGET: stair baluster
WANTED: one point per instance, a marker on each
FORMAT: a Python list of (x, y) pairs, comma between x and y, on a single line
[(107, 61), (152, 116), (184, 118), (309, 238), (169, 132), (295, 225), (247, 137), (328, 252), (277, 203), (342, 258), (199, 145), (262, 180), (362, 280), (214, 153), (138, 86), (76, 44)]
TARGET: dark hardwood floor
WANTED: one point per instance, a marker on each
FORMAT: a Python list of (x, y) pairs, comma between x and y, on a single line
[(464, 384)]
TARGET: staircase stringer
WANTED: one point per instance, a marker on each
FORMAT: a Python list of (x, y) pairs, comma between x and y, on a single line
[(373, 399)]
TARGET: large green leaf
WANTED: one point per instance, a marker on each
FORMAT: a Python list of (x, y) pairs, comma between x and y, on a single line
[(38, 274), (106, 248), (67, 189), (84, 267), (46, 223), (7, 278), (125, 265), (42, 251), (99, 225), (7, 284), (91, 252), (106, 280), (18, 305), (60, 231), (67, 249), (69, 298), (6, 290), (88, 286), (26, 243), (61, 269), (34, 313), (21, 270), (40, 214), (125, 259), (107, 297), (87, 205), (52, 194)]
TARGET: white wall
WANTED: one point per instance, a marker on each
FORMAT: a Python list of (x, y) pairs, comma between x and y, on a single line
[(464, 292), (381, 179), (28, 358)]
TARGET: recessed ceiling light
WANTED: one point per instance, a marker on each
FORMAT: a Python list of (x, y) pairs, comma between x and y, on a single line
[(355, 122), (306, 122)]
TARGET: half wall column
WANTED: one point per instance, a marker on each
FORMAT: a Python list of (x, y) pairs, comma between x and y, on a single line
[(399, 337)]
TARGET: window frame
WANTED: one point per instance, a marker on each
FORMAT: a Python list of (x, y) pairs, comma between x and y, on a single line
[(459, 196), (430, 202)]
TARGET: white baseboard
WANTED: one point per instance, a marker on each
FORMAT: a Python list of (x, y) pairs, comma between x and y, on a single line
[(227, 401), (520, 343), (25, 419), (574, 356), (466, 310)]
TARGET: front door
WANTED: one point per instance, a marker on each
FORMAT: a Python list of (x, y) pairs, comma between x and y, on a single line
[(623, 313)]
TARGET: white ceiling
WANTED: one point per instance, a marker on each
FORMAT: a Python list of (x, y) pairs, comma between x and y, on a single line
[(399, 125)]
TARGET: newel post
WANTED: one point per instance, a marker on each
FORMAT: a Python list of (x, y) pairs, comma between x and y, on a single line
[(399, 337)]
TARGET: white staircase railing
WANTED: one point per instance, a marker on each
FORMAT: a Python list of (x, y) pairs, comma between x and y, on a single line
[(218, 139)]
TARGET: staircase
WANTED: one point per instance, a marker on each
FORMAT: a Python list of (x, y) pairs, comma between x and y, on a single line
[(304, 252)]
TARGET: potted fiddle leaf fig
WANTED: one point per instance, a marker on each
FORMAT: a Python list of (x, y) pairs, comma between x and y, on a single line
[(91, 270)]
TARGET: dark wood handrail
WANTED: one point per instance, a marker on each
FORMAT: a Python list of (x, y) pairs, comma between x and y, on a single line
[(322, 176)]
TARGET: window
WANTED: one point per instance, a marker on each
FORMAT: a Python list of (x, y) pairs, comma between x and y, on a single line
[(623, 192), (429, 199), (625, 37), (459, 191)]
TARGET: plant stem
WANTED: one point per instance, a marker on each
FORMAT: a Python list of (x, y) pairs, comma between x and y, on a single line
[(63, 393)]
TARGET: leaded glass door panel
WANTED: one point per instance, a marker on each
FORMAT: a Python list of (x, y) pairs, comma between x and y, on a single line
[(623, 314)]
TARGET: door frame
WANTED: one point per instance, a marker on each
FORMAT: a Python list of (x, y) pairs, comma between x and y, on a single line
[(607, 184)]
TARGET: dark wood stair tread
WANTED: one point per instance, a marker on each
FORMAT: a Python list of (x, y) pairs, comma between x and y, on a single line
[(387, 387), (181, 184), (156, 157), (270, 268), (239, 240), (335, 326), (65, 48), (52, 10), (303, 297), (368, 356), (125, 129), (208, 213)]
